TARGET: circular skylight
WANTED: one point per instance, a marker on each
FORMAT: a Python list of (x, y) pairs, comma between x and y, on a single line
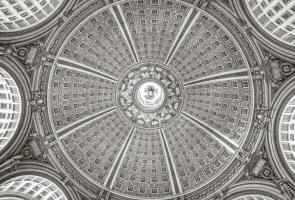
[(10, 108)]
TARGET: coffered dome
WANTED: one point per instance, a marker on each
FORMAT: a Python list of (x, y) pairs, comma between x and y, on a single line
[(150, 99)]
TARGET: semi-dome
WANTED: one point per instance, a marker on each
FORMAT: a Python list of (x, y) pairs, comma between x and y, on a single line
[(10, 108), (18, 15), (150, 99), (287, 133), (31, 187), (275, 17)]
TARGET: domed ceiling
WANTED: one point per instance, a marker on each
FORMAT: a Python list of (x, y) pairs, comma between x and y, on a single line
[(151, 99)]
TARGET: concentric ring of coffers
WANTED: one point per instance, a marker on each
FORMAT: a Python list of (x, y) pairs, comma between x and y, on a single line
[(275, 17), (10, 108), (18, 15), (185, 156), (31, 186)]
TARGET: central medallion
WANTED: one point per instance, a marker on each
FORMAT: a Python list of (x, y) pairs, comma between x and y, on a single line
[(149, 95)]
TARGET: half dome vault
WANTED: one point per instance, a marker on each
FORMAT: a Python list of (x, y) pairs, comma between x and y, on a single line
[(150, 99)]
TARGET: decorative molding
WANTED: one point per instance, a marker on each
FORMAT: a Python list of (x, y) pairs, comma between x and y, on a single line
[(279, 70)]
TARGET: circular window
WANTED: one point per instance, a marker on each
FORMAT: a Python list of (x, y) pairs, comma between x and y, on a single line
[(10, 108), (275, 17), (17, 15)]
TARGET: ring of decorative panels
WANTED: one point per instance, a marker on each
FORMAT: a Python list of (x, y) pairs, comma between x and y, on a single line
[(148, 99), (17, 15), (275, 17)]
